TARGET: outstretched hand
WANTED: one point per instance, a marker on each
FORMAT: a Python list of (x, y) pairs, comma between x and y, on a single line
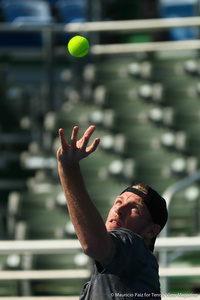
[(71, 154)]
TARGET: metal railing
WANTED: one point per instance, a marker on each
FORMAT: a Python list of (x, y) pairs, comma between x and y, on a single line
[(112, 26), (169, 194), (73, 245), (35, 247)]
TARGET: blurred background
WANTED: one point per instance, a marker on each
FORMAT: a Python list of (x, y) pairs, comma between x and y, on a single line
[(144, 99)]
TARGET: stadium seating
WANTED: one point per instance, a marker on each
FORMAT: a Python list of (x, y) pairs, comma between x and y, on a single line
[(20, 13)]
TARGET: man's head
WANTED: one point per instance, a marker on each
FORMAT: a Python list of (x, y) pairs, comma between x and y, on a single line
[(140, 209)]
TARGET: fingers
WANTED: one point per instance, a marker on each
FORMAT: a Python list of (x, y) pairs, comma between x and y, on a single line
[(94, 146), (88, 150), (63, 140), (74, 136), (89, 131), (82, 144)]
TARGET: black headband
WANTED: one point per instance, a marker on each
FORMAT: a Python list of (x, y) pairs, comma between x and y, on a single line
[(146, 198)]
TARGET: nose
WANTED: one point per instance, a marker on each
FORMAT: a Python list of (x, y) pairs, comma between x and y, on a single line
[(121, 209)]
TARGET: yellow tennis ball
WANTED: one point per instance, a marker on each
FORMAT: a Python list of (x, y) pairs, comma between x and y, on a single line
[(78, 46)]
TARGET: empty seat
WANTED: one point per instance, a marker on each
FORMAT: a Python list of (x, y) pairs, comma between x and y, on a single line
[(20, 13), (173, 140), (104, 118), (185, 116), (141, 70), (184, 212), (113, 143), (70, 115), (38, 162), (52, 1), (15, 141), (191, 67), (191, 142), (152, 93), (43, 222), (176, 9), (70, 11)]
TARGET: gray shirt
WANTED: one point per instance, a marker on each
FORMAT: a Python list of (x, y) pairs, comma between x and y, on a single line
[(133, 273)]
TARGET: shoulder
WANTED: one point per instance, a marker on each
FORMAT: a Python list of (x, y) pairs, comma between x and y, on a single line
[(131, 255), (130, 244), (126, 236)]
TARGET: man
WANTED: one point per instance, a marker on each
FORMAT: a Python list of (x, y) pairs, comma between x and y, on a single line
[(125, 266)]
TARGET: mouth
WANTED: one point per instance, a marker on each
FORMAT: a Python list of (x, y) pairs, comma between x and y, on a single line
[(115, 222)]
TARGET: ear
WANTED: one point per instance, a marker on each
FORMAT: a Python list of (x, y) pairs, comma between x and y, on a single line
[(152, 231)]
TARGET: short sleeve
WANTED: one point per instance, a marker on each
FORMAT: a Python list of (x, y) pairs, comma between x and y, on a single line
[(131, 253)]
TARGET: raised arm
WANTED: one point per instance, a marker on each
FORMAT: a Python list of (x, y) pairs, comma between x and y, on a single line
[(88, 224)]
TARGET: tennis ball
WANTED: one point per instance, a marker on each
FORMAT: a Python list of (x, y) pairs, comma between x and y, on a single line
[(78, 46)]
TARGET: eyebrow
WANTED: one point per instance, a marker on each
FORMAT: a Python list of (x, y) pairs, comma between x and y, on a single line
[(132, 201)]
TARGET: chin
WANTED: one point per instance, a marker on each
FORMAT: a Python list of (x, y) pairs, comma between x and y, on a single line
[(110, 227)]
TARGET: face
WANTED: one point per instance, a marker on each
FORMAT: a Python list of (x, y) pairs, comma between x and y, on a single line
[(129, 211)]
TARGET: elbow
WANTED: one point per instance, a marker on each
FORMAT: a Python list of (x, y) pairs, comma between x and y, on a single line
[(91, 249), (95, 251), (87, 249), (97, 248)]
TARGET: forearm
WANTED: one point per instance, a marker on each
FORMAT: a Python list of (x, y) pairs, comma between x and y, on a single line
[(87, 221)]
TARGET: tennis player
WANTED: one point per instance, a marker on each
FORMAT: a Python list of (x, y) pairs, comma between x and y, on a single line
[(122, 248)]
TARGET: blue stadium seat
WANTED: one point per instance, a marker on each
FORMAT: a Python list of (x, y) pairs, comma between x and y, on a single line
[(72, 10), (22, 12), (52, 1), (32, 11), (175, 9)]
